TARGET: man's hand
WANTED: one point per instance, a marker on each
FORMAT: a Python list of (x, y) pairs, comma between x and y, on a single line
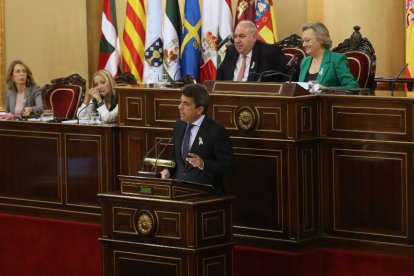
[(165, 173), (195, 161)]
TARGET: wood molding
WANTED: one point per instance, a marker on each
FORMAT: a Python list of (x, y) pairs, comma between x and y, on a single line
[(2, 58)]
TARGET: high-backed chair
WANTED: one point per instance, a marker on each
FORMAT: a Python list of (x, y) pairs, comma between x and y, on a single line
[(291, 46), (125, 78), (361, 57), (63, 95)]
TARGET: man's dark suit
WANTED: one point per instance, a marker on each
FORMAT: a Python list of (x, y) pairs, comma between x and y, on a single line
[(265, 57), (213, 145)]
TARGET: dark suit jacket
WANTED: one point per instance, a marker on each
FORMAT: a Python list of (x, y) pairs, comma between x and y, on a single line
[(334, 71), (212, 144), (264, 57)]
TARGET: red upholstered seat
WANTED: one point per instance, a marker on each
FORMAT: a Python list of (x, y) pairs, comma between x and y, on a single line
[(63, 96), (292, 45), (361, 58)]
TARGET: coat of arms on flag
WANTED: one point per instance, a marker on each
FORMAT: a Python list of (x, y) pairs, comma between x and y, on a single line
[(153, 54), (209, 49), (171, 53)]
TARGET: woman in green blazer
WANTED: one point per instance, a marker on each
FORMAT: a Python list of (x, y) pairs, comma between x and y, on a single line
[(328, 68)]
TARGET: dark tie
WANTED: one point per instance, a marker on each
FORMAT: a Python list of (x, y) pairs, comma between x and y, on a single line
[(186, 141)]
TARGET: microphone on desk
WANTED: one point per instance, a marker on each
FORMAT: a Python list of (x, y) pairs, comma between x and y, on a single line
[(291, 66), (80, 111), (157, 161), (395, 79), (271, 73)]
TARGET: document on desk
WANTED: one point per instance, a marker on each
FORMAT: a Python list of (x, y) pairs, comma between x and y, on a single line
[(81, 122)]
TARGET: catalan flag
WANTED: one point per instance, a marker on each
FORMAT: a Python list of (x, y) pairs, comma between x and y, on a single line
[(409, 46), (190, 47), (109, 52), (133, 47), (265, 21), (245, 11)]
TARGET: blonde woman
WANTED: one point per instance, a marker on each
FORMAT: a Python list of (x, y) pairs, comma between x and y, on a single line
[(101, 98), (23, 95)]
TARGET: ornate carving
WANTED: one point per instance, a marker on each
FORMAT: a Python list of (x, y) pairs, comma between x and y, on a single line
[(145, 223), (245, 118)]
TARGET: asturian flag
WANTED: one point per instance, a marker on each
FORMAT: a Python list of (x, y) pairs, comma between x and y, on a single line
[(190, 47), (153, 43), (409, 46), (265, 21), (133, 47), (171, 38), (245, 11), (209, 40), (109, 52)]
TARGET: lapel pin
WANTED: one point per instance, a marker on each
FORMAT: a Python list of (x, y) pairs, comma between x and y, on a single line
[(200, 141)]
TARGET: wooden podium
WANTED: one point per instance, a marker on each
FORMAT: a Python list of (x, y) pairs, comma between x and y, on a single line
[(166, 227)]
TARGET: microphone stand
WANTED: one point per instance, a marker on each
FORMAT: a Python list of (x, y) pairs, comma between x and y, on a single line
[(80, 111), (395, 79)]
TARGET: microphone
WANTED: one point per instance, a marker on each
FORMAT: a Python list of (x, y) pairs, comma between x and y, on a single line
[(292, 62), (395, 79), (155, 162), (80, 111), (32, 96), (271, 73)]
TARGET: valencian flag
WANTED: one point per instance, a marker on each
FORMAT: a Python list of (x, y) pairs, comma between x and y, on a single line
[(153, 43), (245, 11), (190, 47), (209, 40), (171, 38), (409, 42), (265, 21), (134, 37), (225, 38), (109, 45)]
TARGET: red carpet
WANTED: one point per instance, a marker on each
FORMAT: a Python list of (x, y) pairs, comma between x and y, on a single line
[(35, 246)]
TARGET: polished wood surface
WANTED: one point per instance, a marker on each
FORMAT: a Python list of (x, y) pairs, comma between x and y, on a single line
[(166, 236), (56, 170)]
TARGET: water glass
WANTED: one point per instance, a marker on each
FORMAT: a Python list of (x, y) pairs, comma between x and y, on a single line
[(47, 115), (313, 86), (162, 79), (94, 118)]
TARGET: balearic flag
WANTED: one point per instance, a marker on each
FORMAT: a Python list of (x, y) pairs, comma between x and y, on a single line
[(134, 38), (245, 11), (109, 52), (171, 38), (190, 47), (153, 43), (209, 40), (266, 21), (409, 41)]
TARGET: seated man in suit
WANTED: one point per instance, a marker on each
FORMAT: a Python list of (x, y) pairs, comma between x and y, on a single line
[(249, 57), (202, 149)]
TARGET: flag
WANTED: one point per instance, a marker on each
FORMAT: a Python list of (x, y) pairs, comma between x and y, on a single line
[(225, 29), (134, 38), (409, 41), (109, 52), (265, 21), (245, 11), (153, 43), (209, 40), (171, 38), (190, 47), (214, 45)]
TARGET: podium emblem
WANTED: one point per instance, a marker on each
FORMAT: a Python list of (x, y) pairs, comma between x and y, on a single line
[(145, 223), (245, 118)]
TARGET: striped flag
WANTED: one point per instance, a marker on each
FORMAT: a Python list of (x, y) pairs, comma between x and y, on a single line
[(266, 21), (245, 11), (190, 47), (409, 46), (134, 37), (209, 40), (153, 43), (109, 52), (171, 38)]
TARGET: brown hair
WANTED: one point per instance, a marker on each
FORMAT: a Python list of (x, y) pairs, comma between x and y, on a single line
[(321, 33), (9, 80)]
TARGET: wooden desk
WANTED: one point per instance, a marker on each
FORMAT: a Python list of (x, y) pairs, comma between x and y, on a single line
[(56, 170)]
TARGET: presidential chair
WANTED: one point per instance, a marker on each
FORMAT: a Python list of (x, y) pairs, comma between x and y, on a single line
[(63, 95), (291, 46), (361, 57)]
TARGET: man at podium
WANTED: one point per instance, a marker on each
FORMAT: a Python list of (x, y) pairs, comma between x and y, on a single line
[(202, 150)]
